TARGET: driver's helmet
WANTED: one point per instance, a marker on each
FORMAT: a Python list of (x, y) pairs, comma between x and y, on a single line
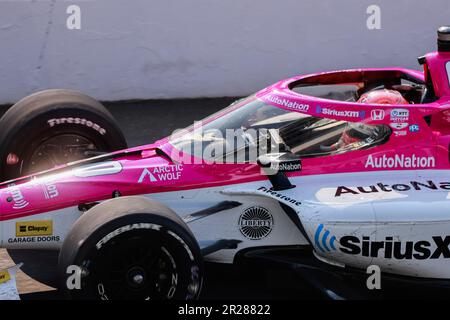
[(382, 96), (358, 134)]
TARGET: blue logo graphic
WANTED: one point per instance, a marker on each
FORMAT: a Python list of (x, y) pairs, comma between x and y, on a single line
[(414, 128), (322, 240), (318, 109), (362, 114)]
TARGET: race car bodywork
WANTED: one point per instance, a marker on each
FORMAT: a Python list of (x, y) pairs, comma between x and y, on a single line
[(383, 199)]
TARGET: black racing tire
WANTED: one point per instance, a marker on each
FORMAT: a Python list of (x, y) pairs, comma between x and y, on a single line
[(53, 127), (124, 238)]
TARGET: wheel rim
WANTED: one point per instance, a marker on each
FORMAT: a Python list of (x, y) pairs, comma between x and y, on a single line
[(139, 268), (56, 151)]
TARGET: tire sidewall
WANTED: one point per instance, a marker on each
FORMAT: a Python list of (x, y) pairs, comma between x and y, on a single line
[(77, 120), (185, 252)]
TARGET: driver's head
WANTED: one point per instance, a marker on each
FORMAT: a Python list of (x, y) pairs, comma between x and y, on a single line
[(359, 132), (356, 132), (382, 96)]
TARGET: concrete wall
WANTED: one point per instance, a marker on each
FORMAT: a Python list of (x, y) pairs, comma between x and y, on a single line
[(140, 49)]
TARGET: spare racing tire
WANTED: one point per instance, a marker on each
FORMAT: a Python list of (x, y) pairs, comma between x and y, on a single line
[(54, 127)]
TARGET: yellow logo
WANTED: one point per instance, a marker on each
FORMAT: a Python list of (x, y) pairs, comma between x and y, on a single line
[(34, 228), (4, 276)]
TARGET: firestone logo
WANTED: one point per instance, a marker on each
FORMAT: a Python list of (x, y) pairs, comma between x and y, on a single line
[(80, 121), (400, 161)]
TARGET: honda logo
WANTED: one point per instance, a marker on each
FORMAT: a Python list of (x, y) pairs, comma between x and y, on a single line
[(377, 114)]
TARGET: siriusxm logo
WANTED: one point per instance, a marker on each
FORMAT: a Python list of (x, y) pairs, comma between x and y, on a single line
[(323, 240), (17, 197), (436, 247), (341, 113)]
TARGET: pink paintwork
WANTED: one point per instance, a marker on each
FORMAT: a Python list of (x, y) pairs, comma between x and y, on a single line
[(30, 196)]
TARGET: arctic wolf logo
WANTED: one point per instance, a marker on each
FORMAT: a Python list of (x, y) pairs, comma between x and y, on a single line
[(165, 173)]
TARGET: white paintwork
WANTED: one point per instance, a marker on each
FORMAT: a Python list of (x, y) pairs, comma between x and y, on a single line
[(411, 215), (166, 49), (62, 223), (224, 224), (415, 215)]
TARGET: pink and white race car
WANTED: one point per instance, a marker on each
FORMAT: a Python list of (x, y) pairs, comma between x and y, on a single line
[(329, 173)]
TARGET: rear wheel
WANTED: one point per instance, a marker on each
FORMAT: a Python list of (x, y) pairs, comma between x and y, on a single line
[(53, 127)]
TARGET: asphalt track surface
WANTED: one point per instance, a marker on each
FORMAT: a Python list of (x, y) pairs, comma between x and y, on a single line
[(143, 123)]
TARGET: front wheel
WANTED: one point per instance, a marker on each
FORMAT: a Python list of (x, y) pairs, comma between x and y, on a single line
[(132, 248)]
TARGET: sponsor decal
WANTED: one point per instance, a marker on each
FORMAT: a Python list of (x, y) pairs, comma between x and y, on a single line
[(435, 247), (50, 191), (341, 113), (279, 196), (17, 197), (34, 232), (377, 114), (287, 103), (80, 121), (414, 128), (4, 276), (323, 240), (34, 239), (402, 187), (164, 173), (399, 115), (255, 223), (399, 126), (288, 167), (34, 228), (400, 133), (400, 161)]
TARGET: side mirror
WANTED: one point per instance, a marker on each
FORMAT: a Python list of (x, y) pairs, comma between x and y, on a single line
[(275, 165)]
